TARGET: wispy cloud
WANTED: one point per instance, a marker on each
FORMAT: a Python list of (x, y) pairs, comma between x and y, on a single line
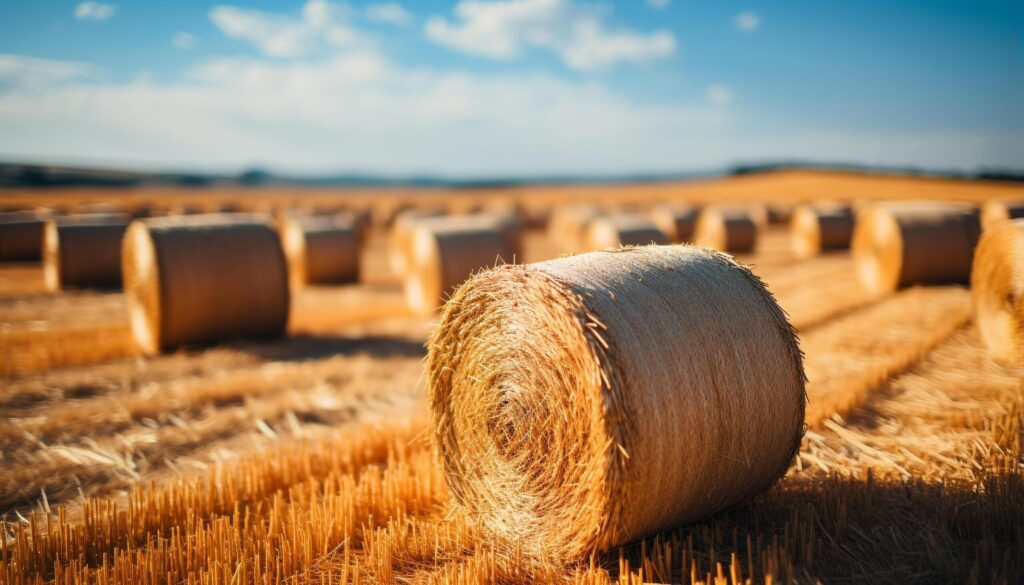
[(20, 73), (718, 94), (658, 4), (184, 40), (390, 13), (320, 24), (747, 21), (94, 11), (575, 32)]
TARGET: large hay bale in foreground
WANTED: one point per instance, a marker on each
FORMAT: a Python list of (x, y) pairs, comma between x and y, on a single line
[(588, 401), (83, 251), (728, 229), (321, 250), (445, 252), (997, 286), (677, 221), (204, 279), (814, 229), (623, 229), (902, 244), (21, 236), (994, 212)]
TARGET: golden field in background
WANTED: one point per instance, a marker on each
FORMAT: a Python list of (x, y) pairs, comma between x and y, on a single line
[(307, 459)]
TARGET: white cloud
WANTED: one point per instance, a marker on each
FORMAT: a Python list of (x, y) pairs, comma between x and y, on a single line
[(390, 13), (94, 11), (718, 94), (184, 40), (26, 73), (658, 4), (747, 21), (575, 32), (321, 24), (358, 111)]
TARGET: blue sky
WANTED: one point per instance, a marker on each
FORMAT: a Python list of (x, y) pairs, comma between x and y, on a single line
[(511, 87)]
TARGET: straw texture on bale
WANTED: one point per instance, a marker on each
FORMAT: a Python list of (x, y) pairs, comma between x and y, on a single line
[(444, 252), (567, 226), (903, 244), (729, 229), (994, 212), (204, 279), (21, 236), (814, 229), (997, 286), (612, 231), (678, 222), (400, 234), (321, 250), (588, 401), (83, 251)]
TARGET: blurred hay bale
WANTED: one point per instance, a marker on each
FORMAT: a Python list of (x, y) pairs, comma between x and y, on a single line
[(677, 221), (204, 279), (997, 286), (817, 228), (21, 236), (728, 229), (83, 251), (321, 250), (622, 229)]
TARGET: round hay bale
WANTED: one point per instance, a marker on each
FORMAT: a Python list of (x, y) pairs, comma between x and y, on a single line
[(400, 234), (779, 214), (814, 229), (444, 252), (567, 226), (21, 236), (994, 212), (676, 221), (204, 279), (902, 244), (321, 250), (729, 229), (582, 403), (83, 251), (613, 231), (997, 286)]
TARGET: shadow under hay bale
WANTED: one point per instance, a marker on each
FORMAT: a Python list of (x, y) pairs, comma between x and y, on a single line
[(83, 251), (204, 279), (902, 244), (997, 286), (603, 397)]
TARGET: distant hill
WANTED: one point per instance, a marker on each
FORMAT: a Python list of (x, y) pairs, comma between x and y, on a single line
[(32, 175)]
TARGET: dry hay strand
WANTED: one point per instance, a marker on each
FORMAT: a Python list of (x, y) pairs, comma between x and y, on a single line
[(584, 402), (83, 251), (729, 229), (204, 279), (21, 236), (567, 226), (399, 237), (321, 250), (445, 252), (997, 286), (820, 228), (899, 245), (994, 212), (677, 221), (612, 231)]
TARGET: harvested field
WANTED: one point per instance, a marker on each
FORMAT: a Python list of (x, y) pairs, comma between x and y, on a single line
[(308, 459)]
